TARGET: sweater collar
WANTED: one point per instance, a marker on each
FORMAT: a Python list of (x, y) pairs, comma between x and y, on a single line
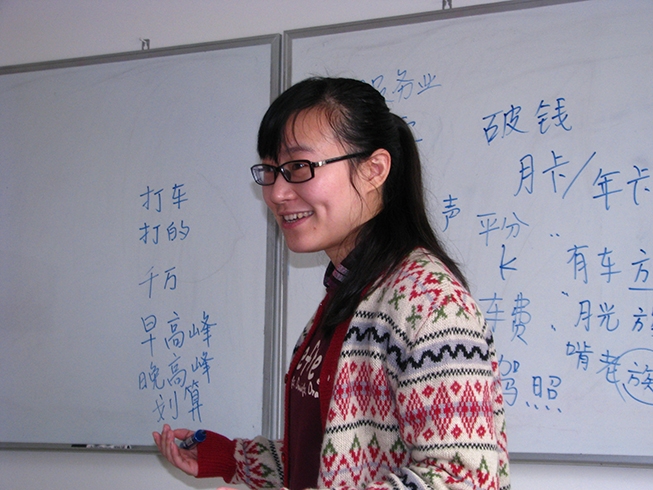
[(335, 275)]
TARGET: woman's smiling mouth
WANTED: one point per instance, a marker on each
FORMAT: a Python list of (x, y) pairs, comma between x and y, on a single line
[(291, 218)]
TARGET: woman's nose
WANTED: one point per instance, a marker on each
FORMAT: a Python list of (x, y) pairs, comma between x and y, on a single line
[(279, 192)]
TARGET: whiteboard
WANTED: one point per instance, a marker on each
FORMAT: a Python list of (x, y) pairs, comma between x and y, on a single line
[(535, 124), (133, 245)]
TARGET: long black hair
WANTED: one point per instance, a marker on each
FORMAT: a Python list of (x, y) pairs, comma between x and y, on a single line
[(363, 123)]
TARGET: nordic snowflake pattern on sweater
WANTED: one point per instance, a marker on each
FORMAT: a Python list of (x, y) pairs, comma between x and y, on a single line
[(416, 400)]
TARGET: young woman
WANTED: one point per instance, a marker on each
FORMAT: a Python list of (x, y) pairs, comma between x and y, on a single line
[(394, 383)]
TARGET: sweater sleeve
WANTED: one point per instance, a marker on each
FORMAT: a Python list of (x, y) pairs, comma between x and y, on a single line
[(215, 457), (255, 463), (444, 376)]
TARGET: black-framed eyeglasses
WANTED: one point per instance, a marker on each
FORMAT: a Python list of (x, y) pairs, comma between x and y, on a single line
[(295, 171)]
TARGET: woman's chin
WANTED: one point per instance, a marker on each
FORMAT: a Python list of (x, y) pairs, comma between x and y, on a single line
[(299, 249)]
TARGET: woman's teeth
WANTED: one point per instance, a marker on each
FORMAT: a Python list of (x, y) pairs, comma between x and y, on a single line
[(289, 218)]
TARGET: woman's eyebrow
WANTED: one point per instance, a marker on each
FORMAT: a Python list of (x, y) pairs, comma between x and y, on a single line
[(295, 149)]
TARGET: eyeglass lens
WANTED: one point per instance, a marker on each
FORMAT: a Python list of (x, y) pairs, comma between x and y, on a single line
[(295, 172)]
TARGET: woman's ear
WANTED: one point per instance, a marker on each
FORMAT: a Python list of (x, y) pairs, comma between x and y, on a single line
[(374, 171)]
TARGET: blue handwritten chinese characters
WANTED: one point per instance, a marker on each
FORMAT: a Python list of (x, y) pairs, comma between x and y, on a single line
[(176, 351), (602, 307)]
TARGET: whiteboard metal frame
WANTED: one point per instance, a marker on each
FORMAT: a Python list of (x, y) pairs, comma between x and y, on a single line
[(274, 40), (452, 13), (504, 6), (274, 327)]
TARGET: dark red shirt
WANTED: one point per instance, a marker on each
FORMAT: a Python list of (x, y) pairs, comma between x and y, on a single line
[(305, 436), (305, 423)]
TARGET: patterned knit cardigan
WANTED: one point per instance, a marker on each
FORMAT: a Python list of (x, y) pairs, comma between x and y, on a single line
[(416, 401)]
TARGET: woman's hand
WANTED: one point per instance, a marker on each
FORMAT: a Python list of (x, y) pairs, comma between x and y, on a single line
[(184, 459)]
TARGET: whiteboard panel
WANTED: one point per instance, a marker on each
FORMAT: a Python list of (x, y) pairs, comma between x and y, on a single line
[(534, 122), (133, 247)]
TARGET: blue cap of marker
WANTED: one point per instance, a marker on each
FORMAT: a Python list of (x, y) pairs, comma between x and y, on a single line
[(193, 440)]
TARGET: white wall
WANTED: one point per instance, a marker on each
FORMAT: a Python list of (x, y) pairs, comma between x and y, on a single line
[(40, 30), (44, 30)]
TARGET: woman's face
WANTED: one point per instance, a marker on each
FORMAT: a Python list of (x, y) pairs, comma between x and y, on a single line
[(325, 212)]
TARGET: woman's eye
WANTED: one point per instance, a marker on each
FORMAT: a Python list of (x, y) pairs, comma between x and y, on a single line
[(298, 165)]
